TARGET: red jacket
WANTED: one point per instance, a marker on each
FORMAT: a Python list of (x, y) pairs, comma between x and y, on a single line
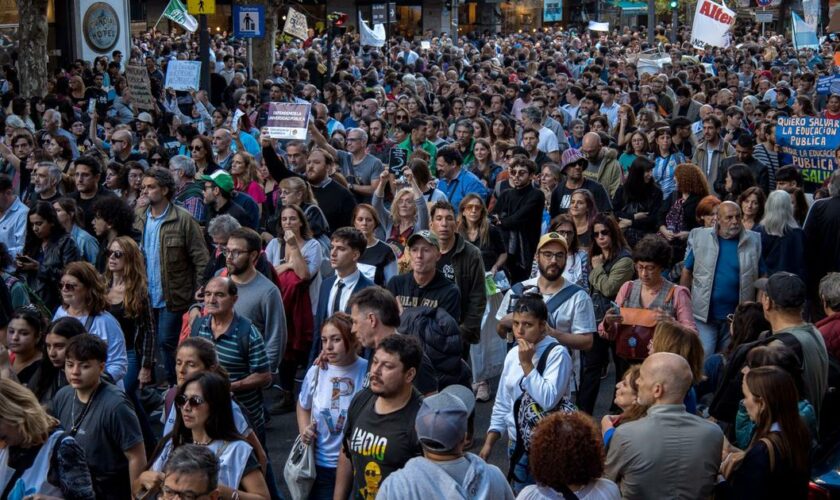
[(830, 329)]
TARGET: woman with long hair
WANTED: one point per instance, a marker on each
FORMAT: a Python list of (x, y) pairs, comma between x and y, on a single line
[(738, 179), (61, 152), (70, 217), (626, 399), (204, 417), (25, 341), (611, 266), (319, 407), (577, 258), (379, 262), (47, 249), (201, 151), (243, 168), (296, 191), (500, 130), (408, 214), (775, 464), (803, 107), (43, 461), (637, 202), (116, 178), (782, 240), (84, 297), (112, 218), (666, 159), (583, 210), (626, 126), (678, 214), (800, 205), (483, 166), (752, 202), (637, 147)]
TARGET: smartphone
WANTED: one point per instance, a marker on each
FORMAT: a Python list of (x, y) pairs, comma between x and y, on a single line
[(615, 309)]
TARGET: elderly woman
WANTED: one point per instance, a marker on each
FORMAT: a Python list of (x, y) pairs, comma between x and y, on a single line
[(408, 215)]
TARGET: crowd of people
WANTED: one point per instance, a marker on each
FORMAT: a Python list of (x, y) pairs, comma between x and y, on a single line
[(174, 277)]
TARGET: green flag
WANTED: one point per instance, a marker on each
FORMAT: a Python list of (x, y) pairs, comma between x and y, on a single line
[(177, 12)]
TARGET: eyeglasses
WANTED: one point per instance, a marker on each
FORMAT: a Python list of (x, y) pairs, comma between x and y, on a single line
[(196, 148), (519, 173), (233, 254), (117, 254), (170, 494), (603, 232), (558, 256), (181, 400), (67, 286)]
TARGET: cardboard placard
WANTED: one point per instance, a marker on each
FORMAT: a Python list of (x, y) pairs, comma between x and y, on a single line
[(138, 82)]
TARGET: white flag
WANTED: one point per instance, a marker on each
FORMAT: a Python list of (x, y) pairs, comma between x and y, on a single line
[(713, 24), (374, 37)]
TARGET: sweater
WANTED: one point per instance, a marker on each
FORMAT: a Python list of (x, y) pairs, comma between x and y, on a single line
[(259, 301), (829, 327)]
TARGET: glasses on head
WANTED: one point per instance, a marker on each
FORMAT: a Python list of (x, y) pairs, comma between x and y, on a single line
[(603, 232), (117, 254), (558, 256), (64, 285), (181, 400), (170, 494)]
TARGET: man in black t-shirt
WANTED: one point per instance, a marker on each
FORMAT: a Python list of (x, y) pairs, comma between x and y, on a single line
[(88, 190), (379, 437)]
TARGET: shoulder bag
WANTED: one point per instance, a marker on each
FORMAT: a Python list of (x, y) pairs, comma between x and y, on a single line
[(299, 471), (635, 332)]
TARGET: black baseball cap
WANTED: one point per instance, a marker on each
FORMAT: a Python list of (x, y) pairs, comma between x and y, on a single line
[(785, 289)]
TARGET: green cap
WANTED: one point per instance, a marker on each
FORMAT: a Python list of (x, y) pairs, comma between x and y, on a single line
[(221, 179)]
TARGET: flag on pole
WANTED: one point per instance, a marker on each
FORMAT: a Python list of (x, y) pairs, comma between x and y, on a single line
[(177, 11), (804, 35)]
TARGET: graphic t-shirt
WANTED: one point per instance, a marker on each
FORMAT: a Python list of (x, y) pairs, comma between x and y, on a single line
[(333, 394), (445, 265), (378, 445)]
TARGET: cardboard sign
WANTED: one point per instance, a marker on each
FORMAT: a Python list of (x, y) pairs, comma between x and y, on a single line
[(287, 120), (397, 159), (138, 82), (183, 75), (808, 144), (713, 24), (296, 24)]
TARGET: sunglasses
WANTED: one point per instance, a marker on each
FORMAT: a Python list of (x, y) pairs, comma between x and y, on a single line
[(117, 254), (157, 161), (603, 232), (402, 117), (196, 148), (181, 400), (67, 286)]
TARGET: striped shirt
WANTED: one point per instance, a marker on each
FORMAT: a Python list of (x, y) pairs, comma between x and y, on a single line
[(230, 357)]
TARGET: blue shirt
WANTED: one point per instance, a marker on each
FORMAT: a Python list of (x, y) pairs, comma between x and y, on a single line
[(13, 227), (88, 245), (151, 247), (464, 184)]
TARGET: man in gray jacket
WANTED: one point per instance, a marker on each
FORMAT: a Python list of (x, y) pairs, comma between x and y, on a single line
[(445, 470)]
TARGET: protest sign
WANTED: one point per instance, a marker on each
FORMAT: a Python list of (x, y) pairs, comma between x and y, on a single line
[(596, 26), (712, 25), (141, 90), (287, 120), (296, 24), (397, 158), (183, 75), (829, 84), (808, 144)]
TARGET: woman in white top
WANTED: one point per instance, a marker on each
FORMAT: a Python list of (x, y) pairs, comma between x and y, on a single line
[(325, 398), (205, 418), (520, 375), (84, 295), (295, 249)]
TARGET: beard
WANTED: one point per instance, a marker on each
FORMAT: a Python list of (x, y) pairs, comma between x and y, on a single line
[(551, 272)]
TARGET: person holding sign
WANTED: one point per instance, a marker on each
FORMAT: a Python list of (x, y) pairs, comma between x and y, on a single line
[(360, 168)]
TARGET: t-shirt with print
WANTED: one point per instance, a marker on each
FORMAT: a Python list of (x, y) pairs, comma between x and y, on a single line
[(445, 266), (378, 445), (576, 315), (107, 431), (363, 173), (335, 389)]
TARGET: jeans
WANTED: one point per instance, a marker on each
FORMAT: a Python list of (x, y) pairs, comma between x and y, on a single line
[(714, 335), (324, 483), (169, 329), (521, 473), (592, 363)]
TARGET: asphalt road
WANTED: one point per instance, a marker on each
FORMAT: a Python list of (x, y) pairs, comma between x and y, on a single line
[(282, 430)]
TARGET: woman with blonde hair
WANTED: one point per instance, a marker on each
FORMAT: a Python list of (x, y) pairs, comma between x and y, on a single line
[(42, 460), (243, 168), (296, 191), (408, 214)]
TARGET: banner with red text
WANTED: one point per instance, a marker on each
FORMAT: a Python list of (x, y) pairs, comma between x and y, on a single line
[(713, 24)]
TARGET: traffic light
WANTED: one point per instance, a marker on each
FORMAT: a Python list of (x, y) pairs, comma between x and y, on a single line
[(337, 23)]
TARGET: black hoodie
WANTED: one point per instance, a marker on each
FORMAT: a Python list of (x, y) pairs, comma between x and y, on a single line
[(440, 292)]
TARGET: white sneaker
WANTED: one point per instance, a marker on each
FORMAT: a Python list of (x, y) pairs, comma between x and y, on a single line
[(482, 392)]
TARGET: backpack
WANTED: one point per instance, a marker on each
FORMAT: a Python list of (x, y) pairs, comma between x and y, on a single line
[(557, 300), (528, 413)]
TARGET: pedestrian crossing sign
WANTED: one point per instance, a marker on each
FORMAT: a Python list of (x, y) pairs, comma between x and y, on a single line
[(201, 6)]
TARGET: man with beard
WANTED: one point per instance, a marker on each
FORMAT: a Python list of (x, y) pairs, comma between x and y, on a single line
[(378, 145), (721, 266), (571, 317), (572, 167), (335, 200), (45, 180), (379, 436)]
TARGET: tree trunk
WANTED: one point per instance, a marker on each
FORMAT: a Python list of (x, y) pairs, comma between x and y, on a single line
[(263, 55), (32, 47)]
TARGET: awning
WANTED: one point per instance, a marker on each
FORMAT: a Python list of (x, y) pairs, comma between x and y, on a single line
[(632, 8)]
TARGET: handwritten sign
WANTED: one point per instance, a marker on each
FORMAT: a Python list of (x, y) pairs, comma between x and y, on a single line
[(138, 82), (397, 159), (808, 144), (287, 120), (183, 75), (296, 24)]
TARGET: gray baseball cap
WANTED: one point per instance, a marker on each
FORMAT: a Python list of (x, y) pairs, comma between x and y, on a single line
[(441, 422)]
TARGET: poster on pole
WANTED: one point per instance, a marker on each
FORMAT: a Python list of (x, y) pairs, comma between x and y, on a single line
[(287, 120), (713, 24), (296, 24), (183, 75), (141, 90), (808, 144)]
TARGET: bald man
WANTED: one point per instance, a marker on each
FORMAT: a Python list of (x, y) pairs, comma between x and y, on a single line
[(602, 166), (669, 453)]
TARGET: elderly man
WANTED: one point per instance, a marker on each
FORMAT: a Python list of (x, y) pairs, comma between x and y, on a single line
[(122, 143), (222, 139), (532, 117), (464, 141), (721, 266), (45, 181), (644, 454), (360, 168), (189, 193), (52, 125), (602, 165)]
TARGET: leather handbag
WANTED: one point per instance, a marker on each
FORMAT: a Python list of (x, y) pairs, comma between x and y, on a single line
[(635, 332)]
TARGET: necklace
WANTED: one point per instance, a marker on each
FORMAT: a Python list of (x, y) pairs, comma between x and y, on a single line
[(205, 443)]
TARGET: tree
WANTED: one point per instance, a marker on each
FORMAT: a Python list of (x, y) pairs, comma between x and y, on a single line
[(32, 47)]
